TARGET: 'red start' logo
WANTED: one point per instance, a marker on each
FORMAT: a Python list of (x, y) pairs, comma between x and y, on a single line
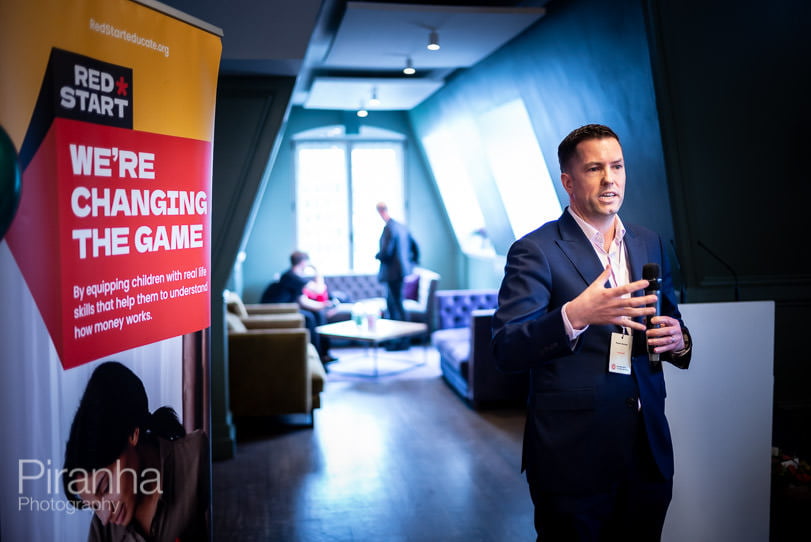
[(112, 233), (91, 90)]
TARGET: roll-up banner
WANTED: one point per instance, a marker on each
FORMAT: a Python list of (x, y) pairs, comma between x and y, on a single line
[(111, 106), (106, 134)]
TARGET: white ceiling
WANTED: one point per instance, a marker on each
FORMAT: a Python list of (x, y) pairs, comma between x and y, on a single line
[(340, 51), (381, 36), (354, 92)]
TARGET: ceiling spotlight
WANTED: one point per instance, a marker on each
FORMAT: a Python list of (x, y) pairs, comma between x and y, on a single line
[(362, 112), (409, 67), (433, 41), (374, 100)]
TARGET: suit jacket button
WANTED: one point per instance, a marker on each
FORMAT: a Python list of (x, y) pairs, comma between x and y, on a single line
[(631, 402)]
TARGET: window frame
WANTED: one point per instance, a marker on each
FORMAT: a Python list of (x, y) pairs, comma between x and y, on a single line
[(348, 143)]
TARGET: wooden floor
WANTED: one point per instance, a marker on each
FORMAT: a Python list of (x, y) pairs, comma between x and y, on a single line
[(394, 458)]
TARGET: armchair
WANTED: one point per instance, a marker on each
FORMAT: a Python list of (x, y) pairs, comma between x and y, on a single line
[(258, 312), (421, 306), (273, 368), (255, 309)]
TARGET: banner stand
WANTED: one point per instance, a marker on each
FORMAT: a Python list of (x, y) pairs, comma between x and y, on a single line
[(109, 110)]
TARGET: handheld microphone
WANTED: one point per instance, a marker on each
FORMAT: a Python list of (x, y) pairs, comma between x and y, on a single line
[(650, 272)]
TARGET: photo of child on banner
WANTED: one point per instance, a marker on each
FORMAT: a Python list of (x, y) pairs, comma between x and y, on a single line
[(140, 473)]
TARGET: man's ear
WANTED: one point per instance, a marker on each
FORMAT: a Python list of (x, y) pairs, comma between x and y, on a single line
[(133, 440), (566, 180)]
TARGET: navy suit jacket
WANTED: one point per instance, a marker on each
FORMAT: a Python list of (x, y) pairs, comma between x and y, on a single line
[(581, 419), (398, 252)]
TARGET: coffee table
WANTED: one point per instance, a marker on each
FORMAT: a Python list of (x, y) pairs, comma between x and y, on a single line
[(383, 330)]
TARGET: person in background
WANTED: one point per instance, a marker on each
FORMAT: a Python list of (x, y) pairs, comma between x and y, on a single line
[(398, 255), (597, 448), (303, 284), (142, 475)]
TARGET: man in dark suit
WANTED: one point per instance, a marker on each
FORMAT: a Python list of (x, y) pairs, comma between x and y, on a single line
[(597, 448), (398, 254)]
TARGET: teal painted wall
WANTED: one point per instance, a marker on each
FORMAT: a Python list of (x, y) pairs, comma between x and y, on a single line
[(585, 61), (272, 237)]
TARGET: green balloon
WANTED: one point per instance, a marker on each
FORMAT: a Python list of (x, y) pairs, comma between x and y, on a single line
[(10, 183)]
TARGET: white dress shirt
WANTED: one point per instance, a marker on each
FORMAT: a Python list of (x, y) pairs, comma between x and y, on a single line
[(616, 256)]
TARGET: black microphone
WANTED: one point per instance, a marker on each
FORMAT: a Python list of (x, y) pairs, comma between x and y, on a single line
[(650, 272)]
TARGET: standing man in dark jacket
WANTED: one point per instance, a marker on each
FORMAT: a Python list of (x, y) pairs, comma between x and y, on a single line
[(398, 254), (597, 448)]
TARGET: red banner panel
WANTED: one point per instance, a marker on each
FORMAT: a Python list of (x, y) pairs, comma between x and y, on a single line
[(113, 235)]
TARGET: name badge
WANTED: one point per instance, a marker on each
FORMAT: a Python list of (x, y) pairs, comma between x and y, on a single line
[(619, 361)]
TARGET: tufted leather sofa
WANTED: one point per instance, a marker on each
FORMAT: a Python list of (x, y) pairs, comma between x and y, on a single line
[(462, 339), (366, 288), (354, 287)]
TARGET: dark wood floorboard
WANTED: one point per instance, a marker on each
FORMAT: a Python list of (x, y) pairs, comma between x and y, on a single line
[(397, 458)]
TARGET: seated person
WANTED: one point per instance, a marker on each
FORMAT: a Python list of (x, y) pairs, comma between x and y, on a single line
[(316, 289), (296, 285)]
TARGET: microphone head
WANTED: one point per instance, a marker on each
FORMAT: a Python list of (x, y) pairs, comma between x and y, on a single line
[(650, 271)]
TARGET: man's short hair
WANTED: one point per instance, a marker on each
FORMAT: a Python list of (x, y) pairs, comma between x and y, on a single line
[(297, 257), (568, 147)]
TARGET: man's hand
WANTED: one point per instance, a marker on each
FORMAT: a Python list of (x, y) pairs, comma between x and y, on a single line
[(600, 305), (667, 337)]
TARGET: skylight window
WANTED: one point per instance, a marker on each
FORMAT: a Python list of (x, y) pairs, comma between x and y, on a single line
[(518, 167), (456, 189)]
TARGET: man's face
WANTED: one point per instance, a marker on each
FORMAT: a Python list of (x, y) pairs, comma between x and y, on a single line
[(302, 267), (595, 180)]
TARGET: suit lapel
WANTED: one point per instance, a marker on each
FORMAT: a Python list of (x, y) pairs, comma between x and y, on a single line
[(578, 249), (636, 251), (637, 256)]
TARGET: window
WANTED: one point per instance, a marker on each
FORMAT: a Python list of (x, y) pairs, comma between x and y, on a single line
[(518, 167), (445, 151), (492, 177), (322, 223), (338, 183)]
